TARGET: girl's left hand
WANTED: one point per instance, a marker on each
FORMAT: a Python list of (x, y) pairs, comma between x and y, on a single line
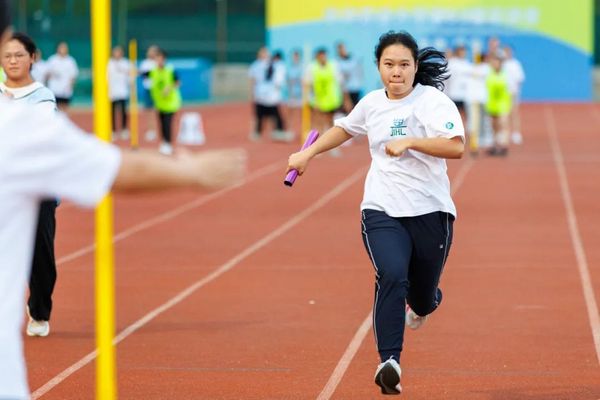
[(396, 148)]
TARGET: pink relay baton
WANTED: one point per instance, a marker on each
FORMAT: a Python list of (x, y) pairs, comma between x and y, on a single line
[(293, 174)]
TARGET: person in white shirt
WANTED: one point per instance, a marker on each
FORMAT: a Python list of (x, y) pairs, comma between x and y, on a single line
[(118, 89), (62, 73), (352, 77), (459, 68), (477, 96), (17, 58), (407, 211), (44, 155), (295, 72), (516, 76), (147, 65), (39, 69)]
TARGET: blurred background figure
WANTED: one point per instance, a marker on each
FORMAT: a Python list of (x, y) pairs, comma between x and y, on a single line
[(118, 90), (62, 73), (516, 76), (498, 105), (477, 118), (268, 77), (166, 96), (18, 57), (352, 77), (323, 81), (294, 90), (459, 68), (147, 65), (39, 69)]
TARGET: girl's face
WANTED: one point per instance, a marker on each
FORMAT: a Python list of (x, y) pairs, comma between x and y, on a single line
[(16, 61), (397, 69)]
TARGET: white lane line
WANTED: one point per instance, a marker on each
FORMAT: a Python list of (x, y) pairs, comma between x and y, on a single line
[(207, 279), (172, 213), (342, 366), (344, 363), (582, 264)]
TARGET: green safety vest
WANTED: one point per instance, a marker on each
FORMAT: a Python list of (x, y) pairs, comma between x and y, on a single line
[(326, 89), (499, 98), (161, 78)]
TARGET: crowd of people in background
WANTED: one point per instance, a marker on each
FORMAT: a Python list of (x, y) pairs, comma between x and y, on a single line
[(485, 86), (331, 86)]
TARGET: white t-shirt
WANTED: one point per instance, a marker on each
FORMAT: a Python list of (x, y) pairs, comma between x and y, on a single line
[(268, 92), (146, 66), (477, 89), (42, 155), (515, 75), (62, 72), (118, 79), (39, 71), (34, 93), (459, 69), (415, 183)]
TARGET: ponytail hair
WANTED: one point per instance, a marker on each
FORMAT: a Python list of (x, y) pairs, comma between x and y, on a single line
[(432, 66)]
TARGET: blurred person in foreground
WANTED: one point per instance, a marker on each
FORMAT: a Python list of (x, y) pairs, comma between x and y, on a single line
[(72, 165), (18, 56)]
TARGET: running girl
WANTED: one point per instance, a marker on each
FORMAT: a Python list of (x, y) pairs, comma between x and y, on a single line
[(407, 211)]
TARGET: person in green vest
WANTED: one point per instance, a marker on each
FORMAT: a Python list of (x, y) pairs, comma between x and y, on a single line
[(323, 80), (164, 89), (498, 105)]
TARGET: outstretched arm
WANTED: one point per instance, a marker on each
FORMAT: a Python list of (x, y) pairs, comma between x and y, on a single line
[(146, 171)]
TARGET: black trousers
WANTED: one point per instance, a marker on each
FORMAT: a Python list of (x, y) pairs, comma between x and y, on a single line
[(43, 269), (121, 106), (166, 122), (263, 112), (408, 254)]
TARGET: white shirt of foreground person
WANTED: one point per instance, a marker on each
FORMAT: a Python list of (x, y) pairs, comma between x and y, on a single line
[(414, 183), (42, 155)]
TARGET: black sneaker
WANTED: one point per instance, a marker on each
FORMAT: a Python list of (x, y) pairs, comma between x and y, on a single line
[(387, 377)]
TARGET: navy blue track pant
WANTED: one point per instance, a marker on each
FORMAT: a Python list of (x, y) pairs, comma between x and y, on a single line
[(408, 255)]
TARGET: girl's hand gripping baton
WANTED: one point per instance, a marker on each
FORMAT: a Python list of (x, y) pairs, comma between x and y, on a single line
[(293, 174)]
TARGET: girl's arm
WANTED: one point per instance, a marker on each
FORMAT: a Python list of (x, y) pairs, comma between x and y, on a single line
[(436, 147), (332, 138)]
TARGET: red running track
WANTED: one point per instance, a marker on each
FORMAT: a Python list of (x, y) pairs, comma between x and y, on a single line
[(279, 285)]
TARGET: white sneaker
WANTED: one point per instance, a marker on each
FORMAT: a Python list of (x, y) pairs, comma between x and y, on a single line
[(150, 135), (254, 136), (517, 138), (38, 328), (165, 148), (414, 321), (387, 377), (282, 136)]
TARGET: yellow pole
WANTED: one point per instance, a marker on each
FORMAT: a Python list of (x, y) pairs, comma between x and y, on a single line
[(105, 299), (133, 98)]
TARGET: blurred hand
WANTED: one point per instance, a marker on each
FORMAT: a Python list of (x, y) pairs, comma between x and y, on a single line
[(216, 168), (396, 148), (298, 161)]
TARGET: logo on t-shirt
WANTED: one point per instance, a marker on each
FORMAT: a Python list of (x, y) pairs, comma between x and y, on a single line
[(449, 125), (397, 127)]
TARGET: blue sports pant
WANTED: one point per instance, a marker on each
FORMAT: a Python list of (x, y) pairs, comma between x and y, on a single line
[(408, 255)]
